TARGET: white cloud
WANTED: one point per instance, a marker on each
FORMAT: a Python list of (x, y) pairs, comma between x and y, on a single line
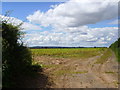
[(47, 0), (75, 13), (115, 22), (93, 37), (69, 24), (29, 26), (25, 25), (34, 0)]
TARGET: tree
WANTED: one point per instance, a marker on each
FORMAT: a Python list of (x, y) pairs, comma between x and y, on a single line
[(16, 58)]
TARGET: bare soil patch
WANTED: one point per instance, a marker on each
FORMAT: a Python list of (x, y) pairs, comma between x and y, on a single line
[(80, 73)]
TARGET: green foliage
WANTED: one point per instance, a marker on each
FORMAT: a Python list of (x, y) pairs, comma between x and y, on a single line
[(16, 58), (104, 57), (68, 52), (116, 48), (110, 72), (61, 72)]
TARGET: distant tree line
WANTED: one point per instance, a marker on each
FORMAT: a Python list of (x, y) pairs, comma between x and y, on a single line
[(40, 47)]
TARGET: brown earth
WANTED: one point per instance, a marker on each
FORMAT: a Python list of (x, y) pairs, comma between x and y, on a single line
[(75, 73), (79, 73)]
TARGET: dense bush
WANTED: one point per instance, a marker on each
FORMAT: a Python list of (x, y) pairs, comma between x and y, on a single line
[(116, 48), (16, 58)]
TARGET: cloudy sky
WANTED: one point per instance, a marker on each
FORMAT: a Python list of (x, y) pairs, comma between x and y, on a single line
[(85, 23)]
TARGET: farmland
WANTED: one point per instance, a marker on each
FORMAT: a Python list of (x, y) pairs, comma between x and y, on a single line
[(69, 53), (77, 67)]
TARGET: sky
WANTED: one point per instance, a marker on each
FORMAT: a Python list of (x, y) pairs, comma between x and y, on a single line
[(73, 23)]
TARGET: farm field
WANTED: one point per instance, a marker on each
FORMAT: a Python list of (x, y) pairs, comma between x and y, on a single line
[(77, 67)]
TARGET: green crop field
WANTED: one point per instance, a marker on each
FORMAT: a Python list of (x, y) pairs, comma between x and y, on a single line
[(69, 52)]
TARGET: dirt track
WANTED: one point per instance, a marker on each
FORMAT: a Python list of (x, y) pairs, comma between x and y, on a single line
[(80, 73)]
